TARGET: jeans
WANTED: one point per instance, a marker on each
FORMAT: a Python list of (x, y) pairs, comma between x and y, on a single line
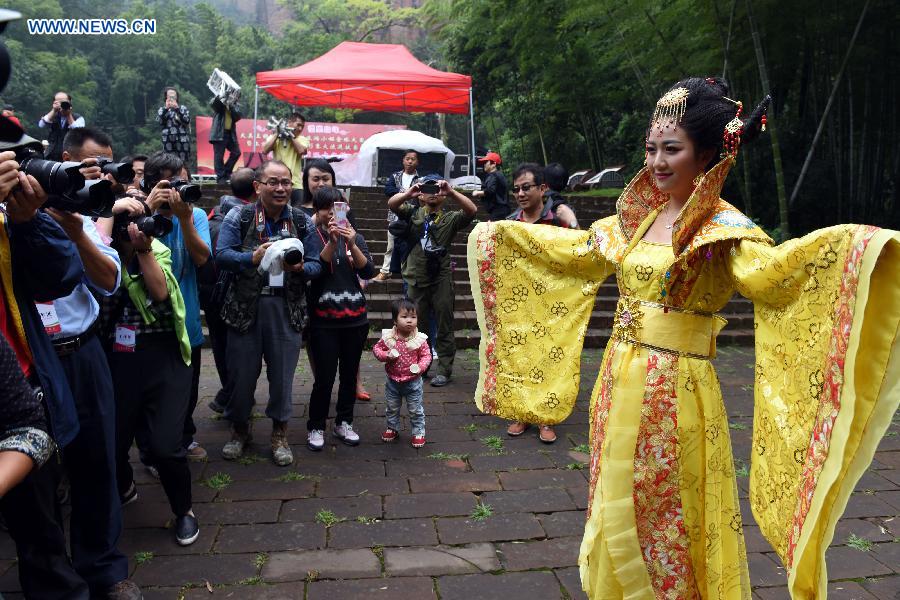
[(394, 392)]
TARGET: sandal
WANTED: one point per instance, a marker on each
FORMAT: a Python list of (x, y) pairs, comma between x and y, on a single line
[(516, 428), (547, 435)]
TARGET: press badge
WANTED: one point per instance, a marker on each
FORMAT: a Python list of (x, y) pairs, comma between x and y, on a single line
[(276, 280), (126, 338), (49, 318)]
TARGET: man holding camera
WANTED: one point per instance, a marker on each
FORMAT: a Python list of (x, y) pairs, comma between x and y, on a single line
[(494, 192), (39, 264), (59, 120), (290, 151), (223, 136), (428, 271), (71, 324), (264, 313), (190, 245)]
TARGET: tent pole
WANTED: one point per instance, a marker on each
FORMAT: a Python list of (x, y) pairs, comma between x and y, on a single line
[(255, 112), (472, 133)]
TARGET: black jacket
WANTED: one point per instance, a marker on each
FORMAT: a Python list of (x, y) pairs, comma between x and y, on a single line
[(217, 130)]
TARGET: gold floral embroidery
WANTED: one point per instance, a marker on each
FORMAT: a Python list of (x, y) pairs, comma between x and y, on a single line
[(627, 319)]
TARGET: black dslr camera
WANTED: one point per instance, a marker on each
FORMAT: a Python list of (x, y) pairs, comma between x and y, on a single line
[(150, 225), (189, 192), (121, 171), (65, 186)]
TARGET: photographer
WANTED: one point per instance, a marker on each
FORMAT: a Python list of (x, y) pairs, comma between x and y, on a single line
[(149, 353), (264, 313), (175, 121), (223, 136), (427, 269), (339, 323), (44, 266), (60, 119), (71, 324), (190, 246), (290, 147), (242, 193)]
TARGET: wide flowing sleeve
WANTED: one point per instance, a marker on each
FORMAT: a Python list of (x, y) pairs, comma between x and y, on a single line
[(827, 383), (534, 288)]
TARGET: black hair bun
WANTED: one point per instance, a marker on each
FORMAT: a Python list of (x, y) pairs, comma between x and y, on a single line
[(753, 124)]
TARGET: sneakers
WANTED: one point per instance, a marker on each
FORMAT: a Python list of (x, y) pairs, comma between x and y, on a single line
[(315, 440), (154, 472), (130, 495), (389, 435), (440, 381), (281, 452), (187, 529), (418, 441), (344, 432), (234, 448), (196, 453), (124, 590), (381, 277)]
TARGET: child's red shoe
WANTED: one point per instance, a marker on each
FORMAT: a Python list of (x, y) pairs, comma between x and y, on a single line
[(389, 435), (418, 441)]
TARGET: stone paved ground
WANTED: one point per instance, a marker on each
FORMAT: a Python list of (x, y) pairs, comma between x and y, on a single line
[(389, 521)]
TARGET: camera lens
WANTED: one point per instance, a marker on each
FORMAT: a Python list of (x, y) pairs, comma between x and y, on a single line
[(55, 177), (154, 226), (189, 192), (65, 105), (293, 257)]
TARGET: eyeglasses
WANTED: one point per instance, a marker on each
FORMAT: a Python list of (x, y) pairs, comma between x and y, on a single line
[(525, 187), (274, 183)]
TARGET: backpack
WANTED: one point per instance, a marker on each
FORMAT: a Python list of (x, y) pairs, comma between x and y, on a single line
[(208, 275)]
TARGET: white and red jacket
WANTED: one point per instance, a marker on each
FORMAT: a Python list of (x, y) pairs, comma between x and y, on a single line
[(404, 358)]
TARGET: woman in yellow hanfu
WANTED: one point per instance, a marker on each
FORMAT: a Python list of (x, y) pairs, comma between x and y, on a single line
[(663, 514)]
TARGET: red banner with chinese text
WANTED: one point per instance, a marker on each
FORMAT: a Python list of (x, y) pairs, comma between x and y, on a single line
[(326, 140)]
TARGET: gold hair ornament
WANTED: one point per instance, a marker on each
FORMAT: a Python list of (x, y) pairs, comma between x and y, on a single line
[(671, 106)]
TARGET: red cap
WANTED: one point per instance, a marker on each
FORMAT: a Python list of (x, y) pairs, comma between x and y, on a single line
[(491, 156)]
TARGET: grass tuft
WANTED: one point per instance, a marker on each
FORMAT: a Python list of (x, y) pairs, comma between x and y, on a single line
[(481, 512), (861, 544), (142, 557), (219, 481), (494, 442), (328, 518)]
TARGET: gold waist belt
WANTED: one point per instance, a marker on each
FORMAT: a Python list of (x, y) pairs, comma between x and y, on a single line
[(666, 328)]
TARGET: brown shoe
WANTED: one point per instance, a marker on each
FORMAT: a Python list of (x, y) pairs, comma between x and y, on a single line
[(381, 277), (516, 428), (281, 451), (547, 435), (196, 452)]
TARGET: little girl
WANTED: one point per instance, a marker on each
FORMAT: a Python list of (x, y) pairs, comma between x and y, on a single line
[(406, 355)]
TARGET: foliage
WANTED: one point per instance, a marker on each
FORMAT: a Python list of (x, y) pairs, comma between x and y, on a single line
[(328, 518), (861, 544), (218, 481), (481, 512), (575, 81)]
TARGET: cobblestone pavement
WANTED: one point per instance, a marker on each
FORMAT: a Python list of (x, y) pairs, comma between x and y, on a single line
[(474, 514)]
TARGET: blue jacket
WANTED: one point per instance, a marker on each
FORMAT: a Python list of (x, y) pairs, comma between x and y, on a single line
[(45, 266)]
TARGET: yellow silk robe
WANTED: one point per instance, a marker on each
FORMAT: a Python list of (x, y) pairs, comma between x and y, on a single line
[(663, 517)]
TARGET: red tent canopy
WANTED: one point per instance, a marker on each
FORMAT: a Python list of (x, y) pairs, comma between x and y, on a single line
[(384, 77)]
